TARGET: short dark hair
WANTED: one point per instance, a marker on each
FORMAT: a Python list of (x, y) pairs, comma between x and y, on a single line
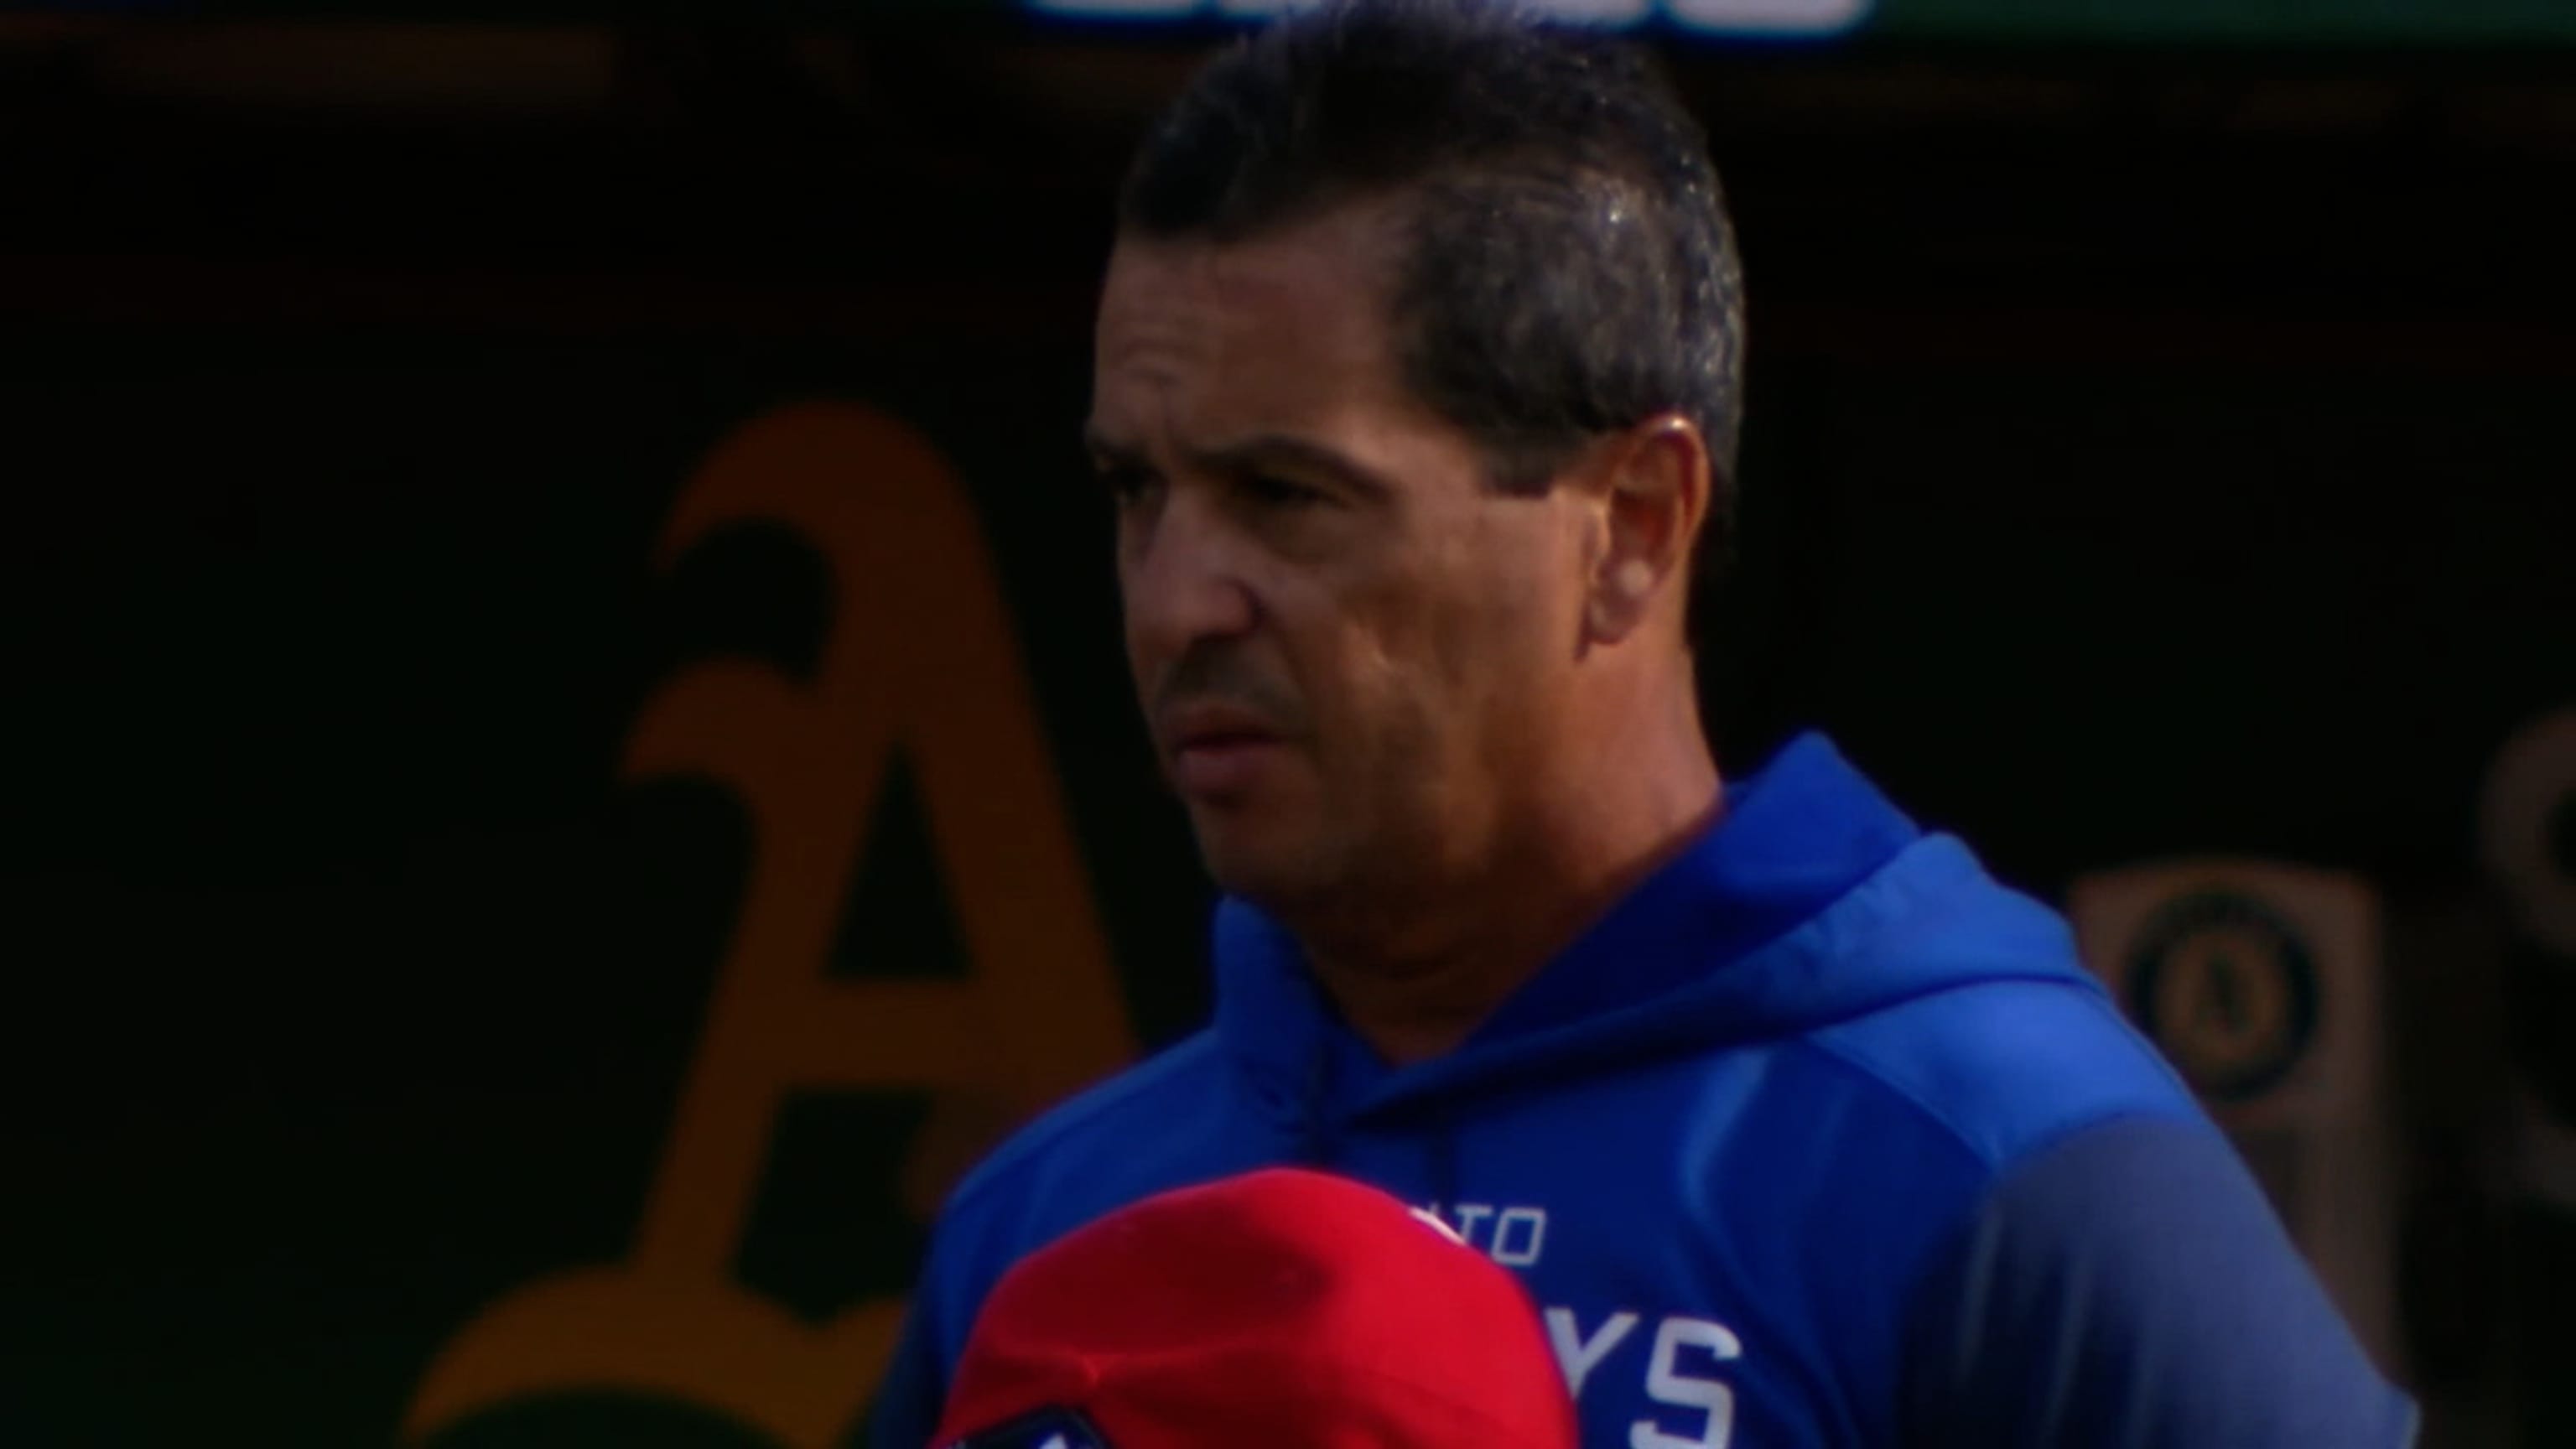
[(1570, 270)]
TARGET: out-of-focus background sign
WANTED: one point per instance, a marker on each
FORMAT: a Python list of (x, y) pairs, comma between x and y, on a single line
[(568, 763)]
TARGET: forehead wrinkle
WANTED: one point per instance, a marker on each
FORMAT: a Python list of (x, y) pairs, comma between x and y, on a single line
[(1310, 269), (1155, 339), (1205, 344)]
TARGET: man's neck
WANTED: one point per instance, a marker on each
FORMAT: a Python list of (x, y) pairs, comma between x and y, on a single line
[(1415, 978)]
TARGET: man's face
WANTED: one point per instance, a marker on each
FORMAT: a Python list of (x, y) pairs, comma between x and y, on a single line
[(1349, 649)]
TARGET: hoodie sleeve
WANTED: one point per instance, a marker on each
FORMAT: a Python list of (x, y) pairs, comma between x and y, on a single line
[(2130, 1288)]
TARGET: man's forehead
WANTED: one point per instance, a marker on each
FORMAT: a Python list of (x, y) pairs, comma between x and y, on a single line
[(1282, 320), (1211, 313)]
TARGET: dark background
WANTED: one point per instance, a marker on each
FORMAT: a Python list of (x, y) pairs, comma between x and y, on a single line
[(2155, 449)]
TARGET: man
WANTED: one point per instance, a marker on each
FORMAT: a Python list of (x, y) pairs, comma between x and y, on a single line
[(1283, 1309), (1417, 385)]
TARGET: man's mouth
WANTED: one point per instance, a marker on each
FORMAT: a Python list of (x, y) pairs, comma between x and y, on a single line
[(1219, 751)]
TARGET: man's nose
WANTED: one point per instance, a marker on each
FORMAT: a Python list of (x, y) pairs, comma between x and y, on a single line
[(1181, 579)]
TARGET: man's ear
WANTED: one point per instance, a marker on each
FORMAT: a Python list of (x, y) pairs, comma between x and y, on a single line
[(1652, 487)]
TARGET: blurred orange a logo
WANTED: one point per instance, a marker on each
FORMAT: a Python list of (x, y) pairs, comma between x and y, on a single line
[(919, 661)]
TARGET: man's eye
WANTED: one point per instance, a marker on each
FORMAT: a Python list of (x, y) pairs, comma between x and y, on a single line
[(1273, 492), (1128, 485)]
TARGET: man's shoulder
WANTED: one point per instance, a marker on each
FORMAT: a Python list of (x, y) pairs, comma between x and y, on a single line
[(2008, 1066), (1105, 1135)]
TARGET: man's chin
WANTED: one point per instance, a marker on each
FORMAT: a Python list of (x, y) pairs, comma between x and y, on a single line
[(1265, 871)]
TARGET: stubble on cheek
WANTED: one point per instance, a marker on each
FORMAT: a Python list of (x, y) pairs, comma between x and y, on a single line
[(1408, 675)]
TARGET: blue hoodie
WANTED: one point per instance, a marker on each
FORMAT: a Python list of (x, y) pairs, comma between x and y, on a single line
[(1820, 1137)]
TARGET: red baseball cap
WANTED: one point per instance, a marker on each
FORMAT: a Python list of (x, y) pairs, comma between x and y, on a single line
[(1283, 1309)]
